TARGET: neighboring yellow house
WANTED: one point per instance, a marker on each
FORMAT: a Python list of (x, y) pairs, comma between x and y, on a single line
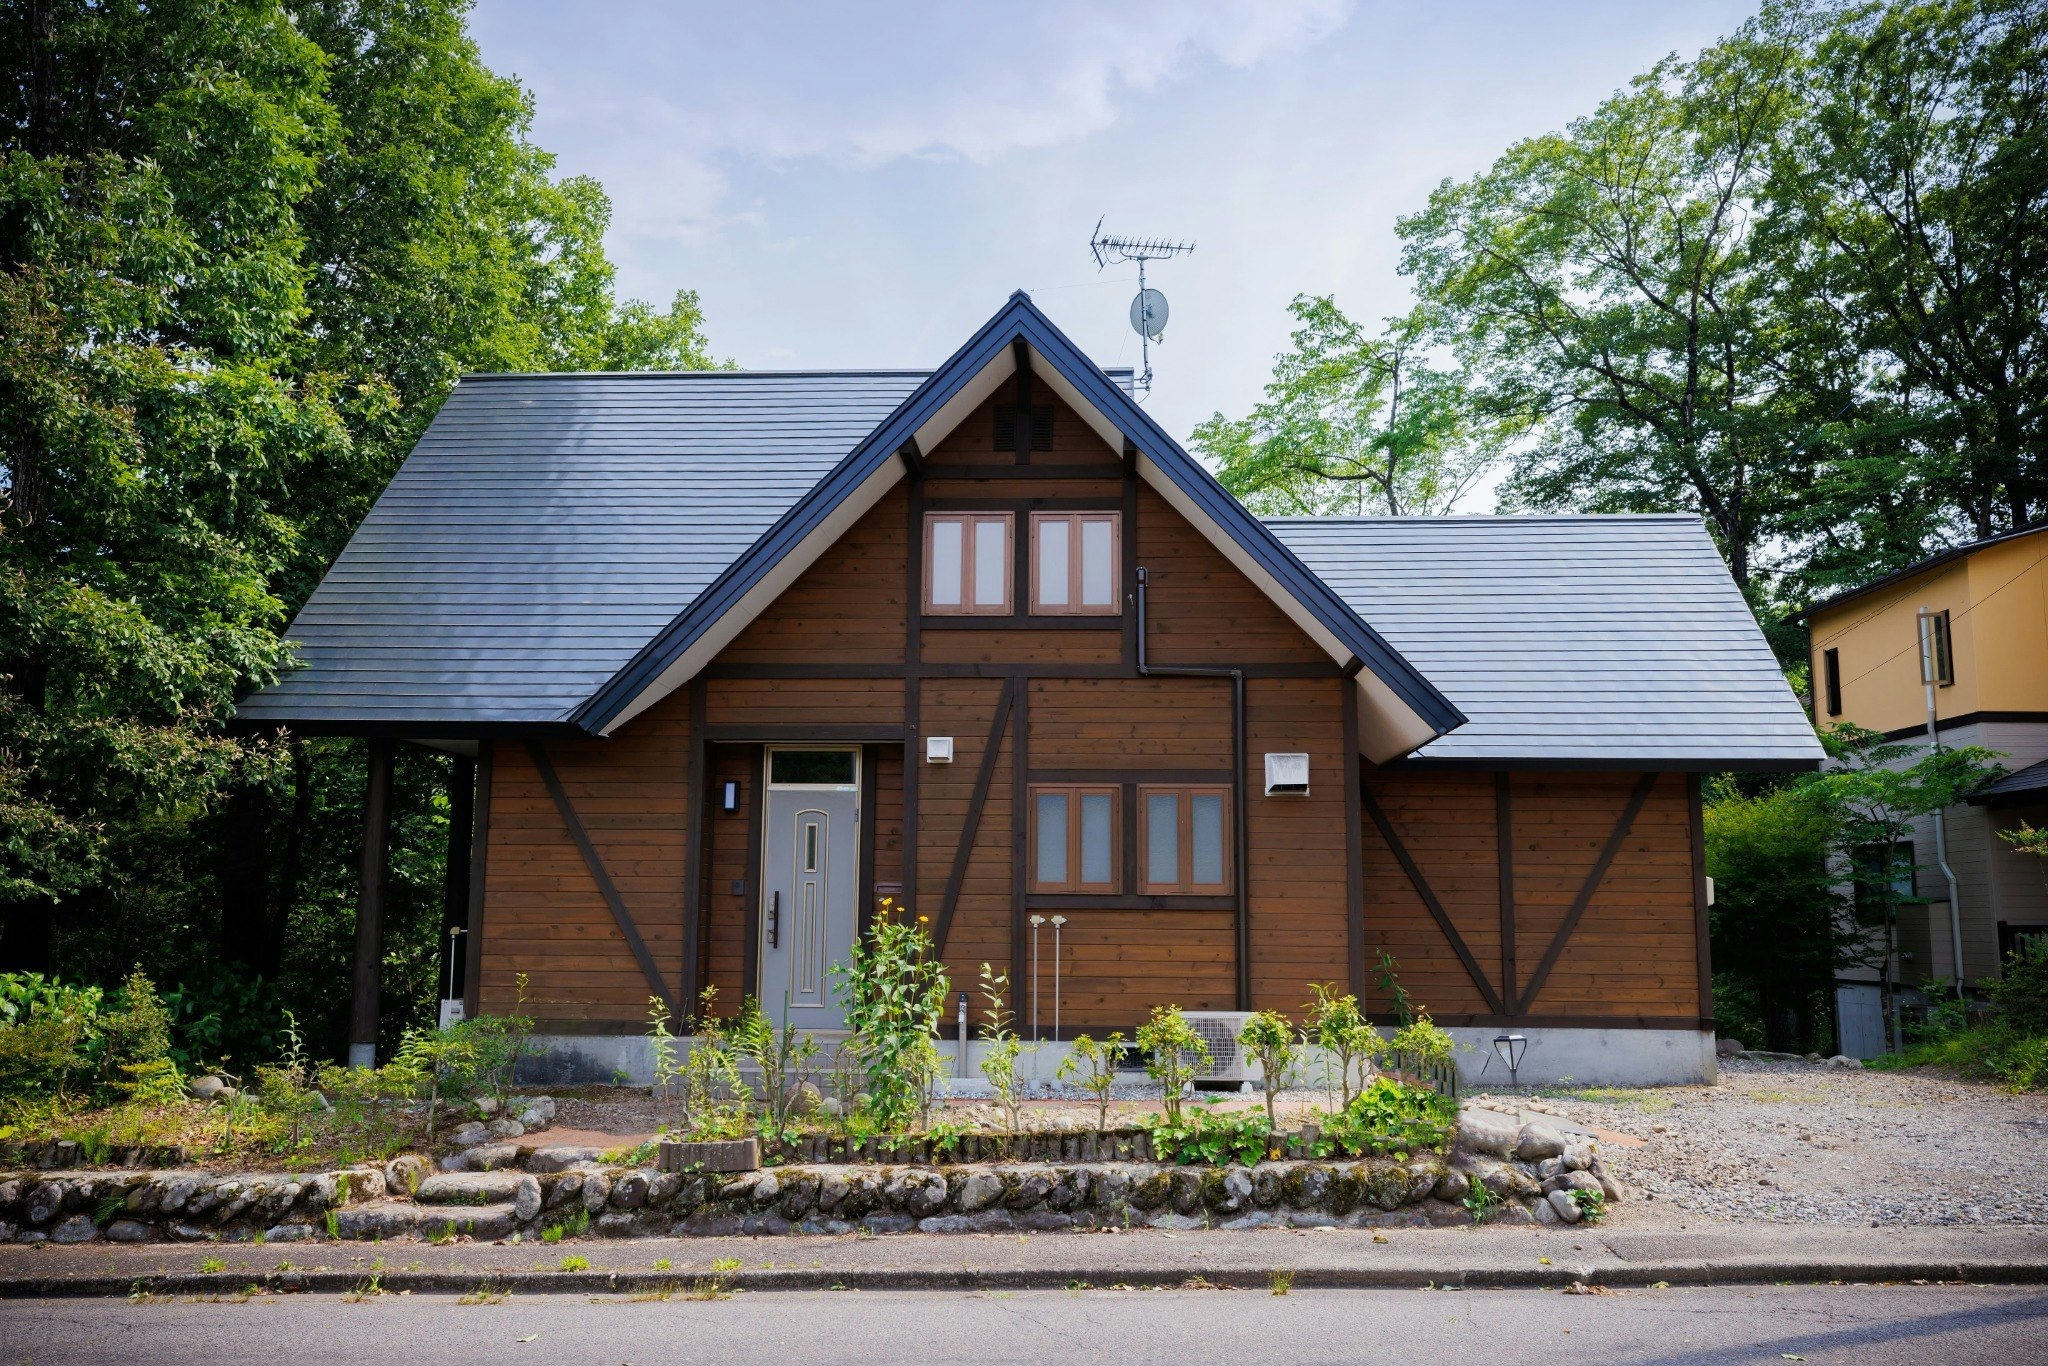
[(1988, 609)]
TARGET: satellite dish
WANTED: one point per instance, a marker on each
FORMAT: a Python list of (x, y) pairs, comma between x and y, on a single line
[(1148, 314)]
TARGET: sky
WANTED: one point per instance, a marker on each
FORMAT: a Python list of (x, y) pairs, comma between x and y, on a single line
[(863, 184)]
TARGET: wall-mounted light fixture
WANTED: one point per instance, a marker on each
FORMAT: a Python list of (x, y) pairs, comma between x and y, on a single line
[(729, 796)]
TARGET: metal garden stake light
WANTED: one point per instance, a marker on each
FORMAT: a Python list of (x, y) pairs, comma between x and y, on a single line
[(1057, 921), (1510, 1047), (1036, 921)]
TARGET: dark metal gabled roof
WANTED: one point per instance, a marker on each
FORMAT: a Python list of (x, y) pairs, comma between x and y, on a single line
[(1581, 640), (546, 527), (2026, 784)]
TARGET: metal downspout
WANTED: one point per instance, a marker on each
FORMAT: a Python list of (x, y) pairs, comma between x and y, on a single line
[(1955, 905), (1240, 840)]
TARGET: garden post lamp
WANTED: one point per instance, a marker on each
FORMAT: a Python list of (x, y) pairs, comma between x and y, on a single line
[(1510, 1048)]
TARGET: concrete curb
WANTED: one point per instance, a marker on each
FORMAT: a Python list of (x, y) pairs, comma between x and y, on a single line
[(1078, 1275)]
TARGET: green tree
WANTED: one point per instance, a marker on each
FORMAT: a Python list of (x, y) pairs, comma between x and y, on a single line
[(1876, 791), (1352, 423), (1779, 923)]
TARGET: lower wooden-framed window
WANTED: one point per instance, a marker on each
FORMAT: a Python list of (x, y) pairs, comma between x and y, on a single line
[(1074, 838), (1183, 839)]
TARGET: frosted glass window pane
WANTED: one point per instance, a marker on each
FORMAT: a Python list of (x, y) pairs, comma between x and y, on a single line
[(946, 563), (1207, 838), (990, 567), (1052, 837), (1095, 838), (1098, 574), (1162, 837), (1052, 564)]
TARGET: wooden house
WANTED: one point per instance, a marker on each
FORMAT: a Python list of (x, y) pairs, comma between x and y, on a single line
[(731, 657)]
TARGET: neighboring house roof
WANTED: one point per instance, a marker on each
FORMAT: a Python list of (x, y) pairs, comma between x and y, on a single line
[(547, 527), (1917, 567), (1581, 639), (2027, 784)]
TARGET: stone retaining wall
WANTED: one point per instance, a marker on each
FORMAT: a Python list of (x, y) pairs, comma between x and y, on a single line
[(1530, 1172)]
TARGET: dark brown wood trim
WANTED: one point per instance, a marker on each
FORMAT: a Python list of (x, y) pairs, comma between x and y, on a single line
[(785, 734), (731, 672), (1354, 846), (373, 874), (978, 473), (1020, 851), (1592, 885), (1429, 900), (1162, 777), (1104, 503), (1019, 622), (913, 646), (1021, 430), (1126, 901), (1128, 510), (1128, 818), (1504, 855), (870, 784), (598, 874), (1105, 670), (971, 825), (1696, 833), (1559, 1021), (696, 814), (757, 803), (479, 863)]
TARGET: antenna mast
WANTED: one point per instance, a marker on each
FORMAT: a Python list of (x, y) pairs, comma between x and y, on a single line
[(1148, 310)]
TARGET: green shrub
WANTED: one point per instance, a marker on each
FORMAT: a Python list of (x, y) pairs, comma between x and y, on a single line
[(893, 988), (1174, 1055), (1205, 1134), (1348, 1041), (1389, 1117), (2021, 994), (1000, 1044), (1092, 1067), (1269, 1037)]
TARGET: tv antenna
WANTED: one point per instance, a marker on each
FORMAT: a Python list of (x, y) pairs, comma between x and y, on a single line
[(1148, 309)]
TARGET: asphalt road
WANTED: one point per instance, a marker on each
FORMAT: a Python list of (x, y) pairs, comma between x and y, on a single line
[(1932, 1323)]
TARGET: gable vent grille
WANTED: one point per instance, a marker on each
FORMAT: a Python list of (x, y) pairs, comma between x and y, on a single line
[(1006, 427)]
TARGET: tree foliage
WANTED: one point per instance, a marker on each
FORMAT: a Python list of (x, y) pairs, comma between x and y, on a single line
[(245, 249)]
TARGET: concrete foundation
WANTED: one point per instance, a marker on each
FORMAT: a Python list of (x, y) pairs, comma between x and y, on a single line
[(1593, 1057)]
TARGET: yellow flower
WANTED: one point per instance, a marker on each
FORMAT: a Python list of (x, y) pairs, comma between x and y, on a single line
[(924, 920)]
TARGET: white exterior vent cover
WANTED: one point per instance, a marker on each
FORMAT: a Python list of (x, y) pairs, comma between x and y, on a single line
[(1286, 775), (938, 749), (1228, 1061)]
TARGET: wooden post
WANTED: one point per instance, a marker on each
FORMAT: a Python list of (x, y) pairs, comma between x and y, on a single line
[(455, 879), (362, 1025), (479, 862)]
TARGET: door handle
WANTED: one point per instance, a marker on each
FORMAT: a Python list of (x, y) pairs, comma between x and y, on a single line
[(774, 919)]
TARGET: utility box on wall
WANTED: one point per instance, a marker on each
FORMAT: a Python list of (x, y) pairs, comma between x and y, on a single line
[(1286, 775)]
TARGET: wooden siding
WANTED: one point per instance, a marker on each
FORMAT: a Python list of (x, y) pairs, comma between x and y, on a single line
[(1075, 710), (1634, 952)]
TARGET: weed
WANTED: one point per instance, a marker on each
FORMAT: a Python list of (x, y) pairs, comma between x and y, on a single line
[(574, 1226), (367, 1289), (1280, 1282), (111, 1204), (662, 1264), (726, 1265), (442, 1234), (485, 1293), (711, 1288), (1592, 1205), (333, 1223), (572, 1262), (213, 1266), (1480, 1201)]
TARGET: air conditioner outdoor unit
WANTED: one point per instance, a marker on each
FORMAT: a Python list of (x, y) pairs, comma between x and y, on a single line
[(1229, 1061)]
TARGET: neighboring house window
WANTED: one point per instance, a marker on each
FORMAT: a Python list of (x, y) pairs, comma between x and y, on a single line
[(967, 563), (1074, 563), (1831, 675), (1183, 839), (1872, 870), (1943, 661), (1074, 839)]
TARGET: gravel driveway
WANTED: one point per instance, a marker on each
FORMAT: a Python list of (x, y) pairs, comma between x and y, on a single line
[(1795, 1142)]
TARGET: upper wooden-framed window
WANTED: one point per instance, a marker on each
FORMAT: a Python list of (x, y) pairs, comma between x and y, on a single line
[(1831, 680), (967, 558), (1183, 839), (1074, 563), (1937, 660), (1074, 838)]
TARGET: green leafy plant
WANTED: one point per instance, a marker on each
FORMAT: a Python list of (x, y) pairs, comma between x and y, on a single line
[(1592, 1205), (1203, 1133), (1000, 1044), (573, 1262), (1399, 1003), (1174, 1055), (1269, 1036), (1480, 1202), (1349, 1043), (1421, 1049), (441, 1058), (785, 1057), (893, 990), (1092, 1066), (1389, 1116), (713, 1101)]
